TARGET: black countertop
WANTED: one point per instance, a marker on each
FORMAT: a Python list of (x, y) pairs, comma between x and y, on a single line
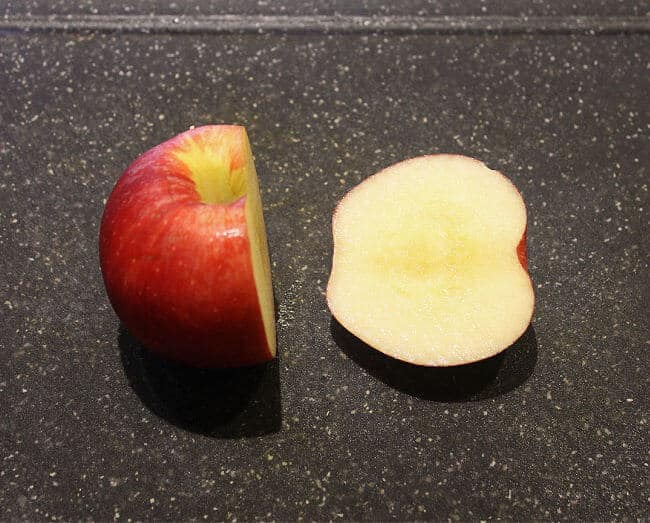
[(95, 427), (328, 7)]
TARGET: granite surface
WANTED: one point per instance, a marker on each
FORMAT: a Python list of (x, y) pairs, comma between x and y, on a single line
[(330, 7), (94, 427)]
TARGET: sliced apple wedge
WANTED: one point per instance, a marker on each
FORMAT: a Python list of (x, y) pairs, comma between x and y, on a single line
[(429, 262)]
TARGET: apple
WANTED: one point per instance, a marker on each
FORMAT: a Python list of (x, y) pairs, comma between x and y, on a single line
[(183, 251), (429, 262)]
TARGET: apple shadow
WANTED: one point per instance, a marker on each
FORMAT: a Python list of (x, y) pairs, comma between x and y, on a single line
[(472, 382), (221, 403)]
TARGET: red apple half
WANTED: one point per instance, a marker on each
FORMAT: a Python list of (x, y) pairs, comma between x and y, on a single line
[(183, 251), (429, 262)]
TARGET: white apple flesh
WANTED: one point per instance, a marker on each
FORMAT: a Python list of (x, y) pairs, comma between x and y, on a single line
[(429, 262)]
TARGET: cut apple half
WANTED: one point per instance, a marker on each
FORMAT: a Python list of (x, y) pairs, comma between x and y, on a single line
[(429, 262), (184, 254)]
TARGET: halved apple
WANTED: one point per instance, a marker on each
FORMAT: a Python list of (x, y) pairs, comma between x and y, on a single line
[(183, 251), (429, 262)]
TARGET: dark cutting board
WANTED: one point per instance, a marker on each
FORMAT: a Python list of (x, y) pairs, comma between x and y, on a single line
[(93, 426)]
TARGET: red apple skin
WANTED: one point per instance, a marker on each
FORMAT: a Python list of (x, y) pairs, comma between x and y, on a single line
[(178, 272), (521, 251)]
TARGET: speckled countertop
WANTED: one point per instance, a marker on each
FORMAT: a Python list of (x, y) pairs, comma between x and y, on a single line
[(93, 427)]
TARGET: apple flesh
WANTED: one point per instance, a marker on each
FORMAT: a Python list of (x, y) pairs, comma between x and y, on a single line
[(183, 251), (429, 262)]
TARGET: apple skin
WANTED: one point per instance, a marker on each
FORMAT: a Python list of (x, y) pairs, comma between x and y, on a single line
[(178, 272), (521, 251)]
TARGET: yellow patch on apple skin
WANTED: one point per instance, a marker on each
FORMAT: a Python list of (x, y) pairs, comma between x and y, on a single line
[(216, 164)]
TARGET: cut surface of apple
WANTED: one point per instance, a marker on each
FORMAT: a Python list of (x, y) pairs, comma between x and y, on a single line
[(184, 254), (429, 262)]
